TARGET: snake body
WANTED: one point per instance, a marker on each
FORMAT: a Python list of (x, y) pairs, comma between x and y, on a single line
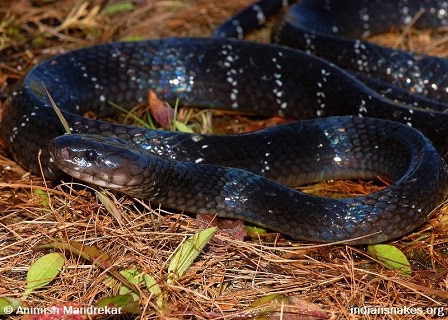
[(233, 176)]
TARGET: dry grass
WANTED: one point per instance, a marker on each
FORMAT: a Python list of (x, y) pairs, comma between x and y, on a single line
[(230, 274)]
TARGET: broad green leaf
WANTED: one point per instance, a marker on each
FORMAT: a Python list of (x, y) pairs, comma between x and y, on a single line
[(187, 252), (133, 276), (391, 257), (43, 271), (126, 302), (155, 290), (8, 305)]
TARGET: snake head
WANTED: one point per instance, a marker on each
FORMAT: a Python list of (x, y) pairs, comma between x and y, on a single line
[(105, 161)]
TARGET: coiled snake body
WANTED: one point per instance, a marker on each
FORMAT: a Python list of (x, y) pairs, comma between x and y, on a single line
[(233, 176)]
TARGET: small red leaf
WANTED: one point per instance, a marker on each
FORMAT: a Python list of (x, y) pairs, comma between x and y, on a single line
[(162, 113)]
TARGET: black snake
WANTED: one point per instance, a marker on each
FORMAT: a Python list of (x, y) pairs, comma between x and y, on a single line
[(199, 173)]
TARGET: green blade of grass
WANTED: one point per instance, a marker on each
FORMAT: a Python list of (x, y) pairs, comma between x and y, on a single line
[(187, 252)]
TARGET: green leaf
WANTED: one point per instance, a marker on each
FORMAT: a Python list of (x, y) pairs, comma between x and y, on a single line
[(133, 276), (133, 38), (254, 231), (119, 7), (136, 277), (126, 302), (155, 290), (43, 271), (187, 252), (182, 127), (43, 197), (178, 125), (391, 257), (8, 305)]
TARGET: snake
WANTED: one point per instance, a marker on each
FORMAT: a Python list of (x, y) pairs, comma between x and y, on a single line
[(362, 111)]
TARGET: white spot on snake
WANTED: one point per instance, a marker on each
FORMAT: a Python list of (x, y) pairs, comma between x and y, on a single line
[(362, 108), (197, 138), (238, 28), (266, 167), (278, 94), (234, 94), (260, 15), (198, 160)]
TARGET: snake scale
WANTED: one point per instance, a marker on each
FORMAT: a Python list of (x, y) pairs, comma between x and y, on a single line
[(246, 176)]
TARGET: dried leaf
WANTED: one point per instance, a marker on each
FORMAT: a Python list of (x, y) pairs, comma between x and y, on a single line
[(94, 255), (162, 113), (110, 206)]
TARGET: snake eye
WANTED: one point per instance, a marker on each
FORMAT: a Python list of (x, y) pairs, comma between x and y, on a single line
[(91, 155)]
